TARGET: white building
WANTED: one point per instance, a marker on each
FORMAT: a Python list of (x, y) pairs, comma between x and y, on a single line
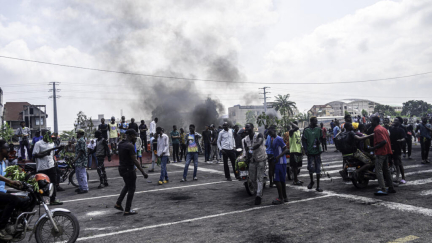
[(352, 106), (237, 113)]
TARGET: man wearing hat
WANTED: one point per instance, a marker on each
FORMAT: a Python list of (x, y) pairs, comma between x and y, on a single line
[(43, 152), (128, 162), (81, 163)]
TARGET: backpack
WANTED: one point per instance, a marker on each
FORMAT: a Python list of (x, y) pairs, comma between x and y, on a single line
[(342, 143)]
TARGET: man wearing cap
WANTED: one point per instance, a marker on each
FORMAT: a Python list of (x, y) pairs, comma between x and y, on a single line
[(128, 162), (100, 151), (43, 152), (23, 133), (81, 163), (113, 134)]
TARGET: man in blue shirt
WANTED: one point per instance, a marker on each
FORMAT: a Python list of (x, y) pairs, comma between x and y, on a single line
[(7, 200), (270, 159), (336, 130), (279, 150), (425, 139)]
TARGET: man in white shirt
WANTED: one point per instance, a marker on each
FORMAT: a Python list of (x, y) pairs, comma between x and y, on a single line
[(153, 127), (43, 152), (162, 153), (226, 145), (23, 133), (92, 156)]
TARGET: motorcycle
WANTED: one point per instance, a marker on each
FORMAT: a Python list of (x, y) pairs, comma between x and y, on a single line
[(242, 168), (66, 170), (54, 225), (361, 180)]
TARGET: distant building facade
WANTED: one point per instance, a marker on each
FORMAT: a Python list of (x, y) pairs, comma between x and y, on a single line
[(237, 113), (352, 106), (34, 116), (321, 110)]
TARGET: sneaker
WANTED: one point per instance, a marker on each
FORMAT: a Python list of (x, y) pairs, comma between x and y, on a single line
[(229, 179), (277, 201), (423, 162), (427, 161), (402, 182), (175, 162), (150, 171), (381, 193), (77, 190), (319, 189), (5, 236), (183, 180), (257, 200), (160, 182), (106, 184), (195, 178), (60, 189), (101, 186), (56, 202), (82, 192), (310, 185), (165, 181)]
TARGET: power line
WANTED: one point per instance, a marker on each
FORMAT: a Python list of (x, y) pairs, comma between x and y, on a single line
[(204, 80)]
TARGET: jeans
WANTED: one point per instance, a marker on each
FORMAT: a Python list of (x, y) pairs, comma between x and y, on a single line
[(232, 156), (52, 174), (214, 152), (11, 203), (164, 173), (176, 147), (101, 170), (207, 152), (314, 163), (129, 177), (90, 158), (256, 175), (182, 151), (425, 145), (25, 144), (382, 171), (408, 143), (81, 176), (189, 158)]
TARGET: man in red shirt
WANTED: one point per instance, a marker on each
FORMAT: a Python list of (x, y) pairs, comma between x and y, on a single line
[(324, 137), (382, 149)]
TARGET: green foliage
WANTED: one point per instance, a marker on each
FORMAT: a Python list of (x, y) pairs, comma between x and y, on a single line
[(268, 120), (385, 110), (284, 106), (67, 135), (364, 112), (415, 108), (6, 132), (14, 172), (251, 117), (85, 123), (347, 113)]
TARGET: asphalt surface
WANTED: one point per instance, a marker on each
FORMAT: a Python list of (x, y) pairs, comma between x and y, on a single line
[(215, 210)]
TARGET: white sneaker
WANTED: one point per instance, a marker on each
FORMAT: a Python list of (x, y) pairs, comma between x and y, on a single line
[(195, 178)]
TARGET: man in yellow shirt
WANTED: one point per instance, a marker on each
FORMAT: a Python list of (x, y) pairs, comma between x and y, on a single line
[(113, 135)]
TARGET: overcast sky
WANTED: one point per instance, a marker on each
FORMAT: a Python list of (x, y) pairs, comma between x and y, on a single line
[(257, 41)]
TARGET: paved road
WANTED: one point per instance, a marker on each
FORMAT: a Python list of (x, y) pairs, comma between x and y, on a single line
[(214, 210)]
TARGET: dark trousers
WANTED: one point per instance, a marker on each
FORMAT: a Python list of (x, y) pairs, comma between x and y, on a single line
[(425, 145), (207, 147), (232, 156), (25, 144), (11, 203), (176, 147), (271, 164), (129, 177), (408, 143), (144, 141), (324, 144), (101, 170), (52, 174), (182, 151)]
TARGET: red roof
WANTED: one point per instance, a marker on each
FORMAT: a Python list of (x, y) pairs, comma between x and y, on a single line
[(12, 111)]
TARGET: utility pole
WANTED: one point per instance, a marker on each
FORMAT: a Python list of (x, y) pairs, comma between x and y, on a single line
[(54, 97), (265, 97)]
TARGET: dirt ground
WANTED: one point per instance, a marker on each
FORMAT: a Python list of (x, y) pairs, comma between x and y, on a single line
[(215, 210)]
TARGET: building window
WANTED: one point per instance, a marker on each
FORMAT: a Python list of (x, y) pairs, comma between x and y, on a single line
[(39, 121)]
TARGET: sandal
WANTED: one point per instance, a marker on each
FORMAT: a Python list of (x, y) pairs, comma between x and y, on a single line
[(132, 212), (118, 207), (402, 182), (381, 193)]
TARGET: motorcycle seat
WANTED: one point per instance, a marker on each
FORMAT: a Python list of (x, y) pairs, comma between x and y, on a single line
[(30, 166)]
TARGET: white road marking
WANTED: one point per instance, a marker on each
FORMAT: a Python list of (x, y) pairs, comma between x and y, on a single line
[(426, 193), (417, 182), (138, 174), (404, 239), (391, 205), (155, 190), (196, 219), (191, 166)]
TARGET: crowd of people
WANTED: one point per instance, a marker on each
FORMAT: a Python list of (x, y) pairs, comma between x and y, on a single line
[(375, 141)]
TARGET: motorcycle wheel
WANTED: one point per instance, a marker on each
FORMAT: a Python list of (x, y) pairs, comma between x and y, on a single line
[(360, 184), (249, 187), (67, 224), (73, 179)]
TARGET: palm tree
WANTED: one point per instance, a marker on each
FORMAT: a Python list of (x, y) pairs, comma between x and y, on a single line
[(284, 106)]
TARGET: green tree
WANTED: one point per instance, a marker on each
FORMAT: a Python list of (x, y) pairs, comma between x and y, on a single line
[(284, 106), (385, 110), (85, 123), (347, 113), (6, 132), (364, 112), (415, 108), (251, 117), (67, 135), (268, 120)]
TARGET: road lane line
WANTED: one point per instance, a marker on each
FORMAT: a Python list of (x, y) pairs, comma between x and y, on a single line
[(202, 169), (155, 190), (405, 239), (196, 219)]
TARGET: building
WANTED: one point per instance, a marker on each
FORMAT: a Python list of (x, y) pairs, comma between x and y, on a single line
[(397, 108), (352, 106), (237, 113), (1, 107), (321, 110), (34, 115)]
